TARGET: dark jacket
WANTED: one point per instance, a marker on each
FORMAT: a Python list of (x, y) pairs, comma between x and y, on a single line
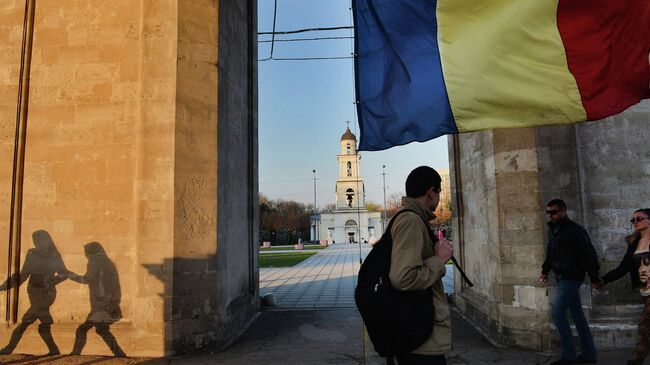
[(627, 264), (569, 252)]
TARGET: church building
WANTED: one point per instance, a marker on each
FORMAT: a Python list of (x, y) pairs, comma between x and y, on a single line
[(350, 222)]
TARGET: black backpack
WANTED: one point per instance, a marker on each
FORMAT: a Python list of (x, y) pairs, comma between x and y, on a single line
[(397, 321)]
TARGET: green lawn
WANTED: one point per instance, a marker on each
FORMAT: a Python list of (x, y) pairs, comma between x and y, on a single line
[(283, 259), (283, 248)]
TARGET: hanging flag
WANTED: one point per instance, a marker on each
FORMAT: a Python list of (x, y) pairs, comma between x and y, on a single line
[(426, 68)]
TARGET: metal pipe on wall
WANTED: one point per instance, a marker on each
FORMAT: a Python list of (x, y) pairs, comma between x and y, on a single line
[(458, 182), (15, 218)]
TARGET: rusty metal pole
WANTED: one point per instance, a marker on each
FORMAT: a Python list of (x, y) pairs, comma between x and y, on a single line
[(15, 218)]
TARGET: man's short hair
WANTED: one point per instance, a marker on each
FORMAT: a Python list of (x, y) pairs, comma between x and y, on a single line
[(420, 180), (559, 202)]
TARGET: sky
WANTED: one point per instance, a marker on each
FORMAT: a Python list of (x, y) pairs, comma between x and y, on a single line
[(304, 106)]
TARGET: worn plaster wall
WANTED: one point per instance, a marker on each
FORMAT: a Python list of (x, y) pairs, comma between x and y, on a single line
[(123, 134)]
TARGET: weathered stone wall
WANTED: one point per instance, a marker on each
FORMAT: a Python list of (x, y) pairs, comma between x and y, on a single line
[(502, 243), (615, 168), (480, 255), (595, 169), (238, 163), (123, 134), (215, 275)]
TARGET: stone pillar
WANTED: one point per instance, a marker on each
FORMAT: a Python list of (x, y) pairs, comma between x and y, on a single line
[(141, 137), (502, 234), (502, 180)]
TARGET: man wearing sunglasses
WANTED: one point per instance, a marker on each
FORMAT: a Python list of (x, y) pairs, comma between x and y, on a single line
[(569, 254)]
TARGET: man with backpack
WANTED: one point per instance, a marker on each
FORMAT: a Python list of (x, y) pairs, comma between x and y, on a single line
[(418, 262)]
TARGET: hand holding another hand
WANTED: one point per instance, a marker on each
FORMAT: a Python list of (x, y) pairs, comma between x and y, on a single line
[(599, 285), (543, 278)]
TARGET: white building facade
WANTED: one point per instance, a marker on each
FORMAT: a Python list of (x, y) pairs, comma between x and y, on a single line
[(350, 222)]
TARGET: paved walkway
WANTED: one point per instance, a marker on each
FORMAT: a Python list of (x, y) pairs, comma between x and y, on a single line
[(325, 280)]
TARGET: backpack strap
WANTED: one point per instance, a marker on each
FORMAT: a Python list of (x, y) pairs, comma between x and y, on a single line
[(434, 239), (392, 219)]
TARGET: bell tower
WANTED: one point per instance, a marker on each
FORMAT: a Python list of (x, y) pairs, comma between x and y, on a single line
[(350, 191)]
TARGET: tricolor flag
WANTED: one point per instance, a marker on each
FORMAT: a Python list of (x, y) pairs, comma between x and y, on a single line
[(425, 68)]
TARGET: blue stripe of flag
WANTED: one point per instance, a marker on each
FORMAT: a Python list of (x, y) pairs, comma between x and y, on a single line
[(400, 89)]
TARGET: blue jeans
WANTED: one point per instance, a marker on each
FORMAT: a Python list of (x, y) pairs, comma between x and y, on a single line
[(568, 298)]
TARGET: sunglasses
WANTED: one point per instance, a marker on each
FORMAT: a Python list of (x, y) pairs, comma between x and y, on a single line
[(637, 219), (552, 212)]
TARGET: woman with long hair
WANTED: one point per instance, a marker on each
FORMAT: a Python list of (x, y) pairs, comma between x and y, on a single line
[(637, 253)]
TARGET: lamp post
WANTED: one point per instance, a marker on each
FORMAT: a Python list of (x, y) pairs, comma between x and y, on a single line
[(384, 177), (315, 220)]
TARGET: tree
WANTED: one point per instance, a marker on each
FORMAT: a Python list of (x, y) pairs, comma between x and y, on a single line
[(393, 204), (443, 211), (373, 207), (329, 208), (283, 222)]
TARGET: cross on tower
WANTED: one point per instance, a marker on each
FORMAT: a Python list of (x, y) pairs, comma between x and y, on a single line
[(348, 122)]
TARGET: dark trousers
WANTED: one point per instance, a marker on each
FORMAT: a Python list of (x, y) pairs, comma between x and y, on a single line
[(413, 359), (567, 298)]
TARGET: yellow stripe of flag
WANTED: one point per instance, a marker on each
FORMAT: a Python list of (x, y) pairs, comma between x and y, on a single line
[(504, 64)]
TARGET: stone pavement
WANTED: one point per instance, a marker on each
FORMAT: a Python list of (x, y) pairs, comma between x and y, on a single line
[(323, 337), (325, 280), (301, 329)]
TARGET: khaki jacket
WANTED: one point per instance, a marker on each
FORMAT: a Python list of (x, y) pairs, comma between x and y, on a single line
[(414, 267)]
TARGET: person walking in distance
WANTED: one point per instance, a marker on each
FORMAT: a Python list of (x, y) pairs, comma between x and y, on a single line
[(417, 262), (569, 255)]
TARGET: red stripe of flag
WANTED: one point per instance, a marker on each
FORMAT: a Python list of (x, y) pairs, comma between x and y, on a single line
[(607, 44)]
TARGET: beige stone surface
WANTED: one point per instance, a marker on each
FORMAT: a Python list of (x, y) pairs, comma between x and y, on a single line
[(122, 140)]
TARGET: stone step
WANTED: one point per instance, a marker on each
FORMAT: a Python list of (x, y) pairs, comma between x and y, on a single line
[(615, 326), (616, 310)]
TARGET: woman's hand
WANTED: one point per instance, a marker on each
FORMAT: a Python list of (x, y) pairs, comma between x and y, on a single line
[(599, 285)]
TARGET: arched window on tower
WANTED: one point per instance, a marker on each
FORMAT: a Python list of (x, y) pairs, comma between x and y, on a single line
[(349, 168), (348, 149), (349, 196)]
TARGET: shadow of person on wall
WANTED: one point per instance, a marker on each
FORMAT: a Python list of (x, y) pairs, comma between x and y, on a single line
[(44, 268), (105, 296)]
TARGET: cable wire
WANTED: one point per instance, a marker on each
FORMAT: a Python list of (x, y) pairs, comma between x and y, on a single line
[(306, 30), (304, 39), (304, 58)]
